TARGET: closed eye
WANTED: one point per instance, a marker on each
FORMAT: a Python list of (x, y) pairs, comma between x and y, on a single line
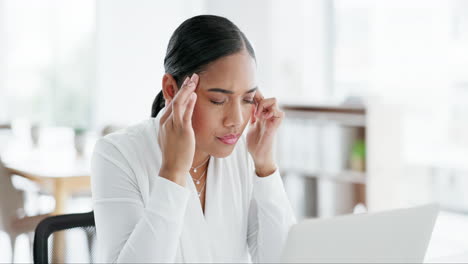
[(217, 103), (221, 103)]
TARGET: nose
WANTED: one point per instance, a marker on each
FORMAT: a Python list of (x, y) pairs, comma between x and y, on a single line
[(234, 116)]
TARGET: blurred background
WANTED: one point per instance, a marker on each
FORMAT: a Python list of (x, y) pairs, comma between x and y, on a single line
[(375, 93)]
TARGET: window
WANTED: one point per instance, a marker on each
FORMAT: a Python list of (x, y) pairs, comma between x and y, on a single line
[(49, 61), (412, 54)]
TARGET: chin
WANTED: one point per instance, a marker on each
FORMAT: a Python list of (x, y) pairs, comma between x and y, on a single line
[(223, 153)]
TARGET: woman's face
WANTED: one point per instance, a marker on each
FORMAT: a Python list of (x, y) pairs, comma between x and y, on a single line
[(224, 104)]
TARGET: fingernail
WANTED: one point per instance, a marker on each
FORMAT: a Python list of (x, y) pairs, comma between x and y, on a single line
[(191, 84), (186, 80), (194, 77)]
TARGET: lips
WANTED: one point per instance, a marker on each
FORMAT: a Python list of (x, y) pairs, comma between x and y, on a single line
[(229, 139)]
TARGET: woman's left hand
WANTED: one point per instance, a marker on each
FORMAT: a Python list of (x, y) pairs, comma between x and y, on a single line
[(265, 120)]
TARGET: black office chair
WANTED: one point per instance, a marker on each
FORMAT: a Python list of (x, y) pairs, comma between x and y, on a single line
[(69, 225)]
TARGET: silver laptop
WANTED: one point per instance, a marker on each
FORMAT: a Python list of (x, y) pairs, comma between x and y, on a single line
[(391, 236)]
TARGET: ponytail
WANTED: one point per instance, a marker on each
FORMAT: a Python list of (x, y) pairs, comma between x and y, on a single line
[(158, 104)]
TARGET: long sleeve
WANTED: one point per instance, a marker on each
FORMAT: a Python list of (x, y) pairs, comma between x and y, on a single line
[(270, 217), (128, 230)]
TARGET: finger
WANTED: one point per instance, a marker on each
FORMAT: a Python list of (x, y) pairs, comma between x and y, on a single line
[(265, 105), (181, 99), (187, 88), (273, 111), (269, 115), (168, 110), (189, 110), (253, 119), (258, 97), (278, 117), (275, 115), (166, 113)]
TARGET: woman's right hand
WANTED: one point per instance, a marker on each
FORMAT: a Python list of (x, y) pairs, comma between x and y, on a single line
[(176, 137)]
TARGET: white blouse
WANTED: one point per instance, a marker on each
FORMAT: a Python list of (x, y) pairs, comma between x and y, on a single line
[(142, 217)]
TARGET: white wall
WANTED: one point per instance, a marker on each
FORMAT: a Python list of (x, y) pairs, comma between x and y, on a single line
[(291, 43), (301, 50), (132, 38), (410, 77), (254, 18), (392, 181)]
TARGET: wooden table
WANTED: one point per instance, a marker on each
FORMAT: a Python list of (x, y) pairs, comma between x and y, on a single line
[(60, 173)]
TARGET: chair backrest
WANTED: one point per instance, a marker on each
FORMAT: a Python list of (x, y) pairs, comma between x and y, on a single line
[(5, 126), (11, 200), (72, 227)]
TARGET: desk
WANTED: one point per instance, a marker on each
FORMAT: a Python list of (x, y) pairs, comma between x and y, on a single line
[(449, 242), (61, 173)]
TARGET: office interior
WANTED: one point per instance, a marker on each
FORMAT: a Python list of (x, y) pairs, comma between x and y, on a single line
[(375, 95)]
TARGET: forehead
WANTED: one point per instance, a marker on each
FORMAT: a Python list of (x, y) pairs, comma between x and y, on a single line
[(236, 72)]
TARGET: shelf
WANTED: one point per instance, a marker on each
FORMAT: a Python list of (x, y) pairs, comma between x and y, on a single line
[(343, 115), (347, 176)]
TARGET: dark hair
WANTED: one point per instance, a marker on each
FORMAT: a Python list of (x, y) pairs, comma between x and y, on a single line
[(197, 42)]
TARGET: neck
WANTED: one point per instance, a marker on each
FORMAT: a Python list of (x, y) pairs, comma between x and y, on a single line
[(199, 158)]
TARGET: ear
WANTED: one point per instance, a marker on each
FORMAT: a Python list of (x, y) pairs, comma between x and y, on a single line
[(169, 87)]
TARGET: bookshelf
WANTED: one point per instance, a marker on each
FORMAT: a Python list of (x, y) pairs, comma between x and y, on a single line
[(350, 122)]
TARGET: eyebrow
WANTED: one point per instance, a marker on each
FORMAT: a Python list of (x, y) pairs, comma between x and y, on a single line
[(219, 90)]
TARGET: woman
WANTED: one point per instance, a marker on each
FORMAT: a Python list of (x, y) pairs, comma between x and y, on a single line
[(188, 185)]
